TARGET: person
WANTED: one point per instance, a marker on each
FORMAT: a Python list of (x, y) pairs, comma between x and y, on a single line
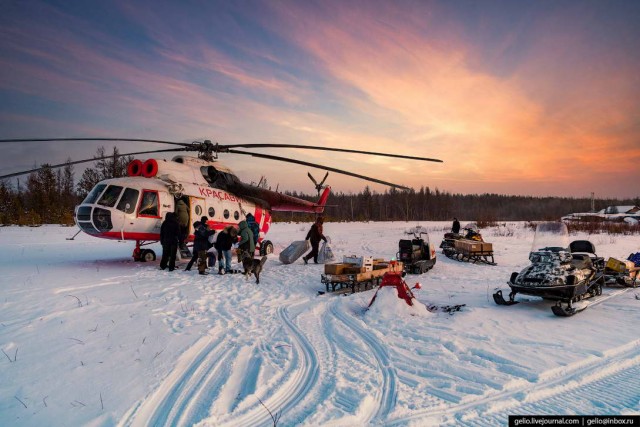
[(455, 228), (200, 245), (224, 243), (169, 239), (254, 227), (246, 243), (314, 236), (183, 219)]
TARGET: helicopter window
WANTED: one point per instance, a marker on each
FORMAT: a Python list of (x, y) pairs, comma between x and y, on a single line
[(149, 204), (209, 173), (226, 214), (93, 195), (212, 212), (198, 210), (129, 197), (236, 215), (110, 196)]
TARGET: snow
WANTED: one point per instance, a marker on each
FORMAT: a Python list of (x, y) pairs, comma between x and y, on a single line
[(92, 338)]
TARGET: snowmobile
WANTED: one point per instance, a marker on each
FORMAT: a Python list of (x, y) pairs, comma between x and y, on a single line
[(417, 255), (559, 272), (463, 247), (449, 241)]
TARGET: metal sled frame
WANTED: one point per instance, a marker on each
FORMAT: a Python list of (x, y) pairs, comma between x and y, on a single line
[(343, 283)]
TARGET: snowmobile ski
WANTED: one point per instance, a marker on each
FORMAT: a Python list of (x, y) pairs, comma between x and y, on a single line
[(499, 299)]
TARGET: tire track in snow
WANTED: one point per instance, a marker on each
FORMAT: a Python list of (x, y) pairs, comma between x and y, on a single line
[(388, 394), (178, 400), (569, 382), (302, 377)]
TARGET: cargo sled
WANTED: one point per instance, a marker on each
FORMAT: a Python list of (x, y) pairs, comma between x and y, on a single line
[(356, 274), (468, 247), (621, 273), (559, 272)]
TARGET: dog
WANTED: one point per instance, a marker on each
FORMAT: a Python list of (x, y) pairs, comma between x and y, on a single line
[(252, 266)]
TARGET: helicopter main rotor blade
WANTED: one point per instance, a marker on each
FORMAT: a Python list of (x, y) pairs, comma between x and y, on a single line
[(315, 165), (11, 175), (95, 139), (342, 150)]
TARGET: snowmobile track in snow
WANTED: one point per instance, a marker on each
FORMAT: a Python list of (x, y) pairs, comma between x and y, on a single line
[(184, 398), (556, 391), (388, 393), (300, 380)]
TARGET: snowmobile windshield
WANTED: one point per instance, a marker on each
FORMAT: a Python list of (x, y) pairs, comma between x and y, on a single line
[(551, 236), (471, 226)]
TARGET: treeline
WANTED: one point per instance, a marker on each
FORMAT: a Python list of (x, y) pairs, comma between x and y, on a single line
[(436, 205), (49, 196)]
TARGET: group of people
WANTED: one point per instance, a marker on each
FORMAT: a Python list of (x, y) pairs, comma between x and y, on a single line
[(207, 247)]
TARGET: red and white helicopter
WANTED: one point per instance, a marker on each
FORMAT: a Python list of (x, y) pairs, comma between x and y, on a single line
[(133, 207)]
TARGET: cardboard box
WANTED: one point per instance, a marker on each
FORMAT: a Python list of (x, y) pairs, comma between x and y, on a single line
[(354, 270), (337, 268)]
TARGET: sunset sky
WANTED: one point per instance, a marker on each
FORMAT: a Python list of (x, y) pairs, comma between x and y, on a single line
[(516, 97)]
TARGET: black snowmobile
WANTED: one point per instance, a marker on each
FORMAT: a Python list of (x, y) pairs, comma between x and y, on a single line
[(566, 274), (418, 254)]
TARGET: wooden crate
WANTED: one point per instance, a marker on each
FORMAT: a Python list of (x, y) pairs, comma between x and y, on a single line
[(336, 268), (468, 245)]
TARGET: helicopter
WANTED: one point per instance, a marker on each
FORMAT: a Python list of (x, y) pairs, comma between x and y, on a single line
[(132, 208)]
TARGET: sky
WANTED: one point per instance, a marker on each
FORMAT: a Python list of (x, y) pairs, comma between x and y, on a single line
[(516, 97)]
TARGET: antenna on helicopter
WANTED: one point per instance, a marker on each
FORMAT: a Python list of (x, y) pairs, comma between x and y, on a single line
[(319, 186)]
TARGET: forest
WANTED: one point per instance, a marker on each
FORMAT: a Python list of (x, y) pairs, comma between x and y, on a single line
[(48, 196)]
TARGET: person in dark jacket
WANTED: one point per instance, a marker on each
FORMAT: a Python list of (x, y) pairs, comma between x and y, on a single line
[(169, 239), (455, 228), (223, 245), (254, 227), (246, 243), (314, 236), (200, 244), (182, 212)]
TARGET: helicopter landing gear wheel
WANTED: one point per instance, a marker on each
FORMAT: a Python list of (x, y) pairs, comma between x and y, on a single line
[(147, 255), (266, 248)]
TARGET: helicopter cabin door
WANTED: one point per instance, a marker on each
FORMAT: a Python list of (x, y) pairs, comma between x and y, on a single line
[(196, 211)]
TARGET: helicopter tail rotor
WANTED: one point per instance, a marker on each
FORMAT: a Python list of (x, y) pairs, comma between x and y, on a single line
[(318, 185)]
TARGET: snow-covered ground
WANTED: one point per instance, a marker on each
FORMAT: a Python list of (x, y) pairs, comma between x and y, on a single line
[(92, 338)]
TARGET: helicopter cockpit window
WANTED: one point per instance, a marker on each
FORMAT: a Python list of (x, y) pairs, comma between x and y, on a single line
[(226, 214), (128, 202), (236, 215), (110, 197), (209, 173), (93, 195), (149, 204)]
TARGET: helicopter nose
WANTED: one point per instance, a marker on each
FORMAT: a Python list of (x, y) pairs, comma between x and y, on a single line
[(96, 222)]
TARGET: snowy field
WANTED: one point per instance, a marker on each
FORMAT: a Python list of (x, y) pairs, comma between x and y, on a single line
[(92, 338)]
